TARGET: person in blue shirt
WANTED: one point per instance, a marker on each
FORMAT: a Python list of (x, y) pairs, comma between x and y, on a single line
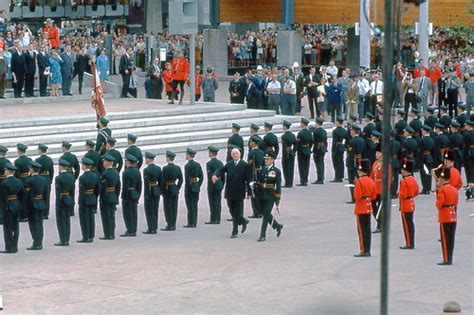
[(103, 66), (334, 98)]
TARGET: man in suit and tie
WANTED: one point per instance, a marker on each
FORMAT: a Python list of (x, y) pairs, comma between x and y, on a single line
[(18, 67), (125, 69), (154, 73), (30, 61), (423, 92), (68, 58), (237, 181), (311, 82), (251, 94), (43, 64), (298, 77)]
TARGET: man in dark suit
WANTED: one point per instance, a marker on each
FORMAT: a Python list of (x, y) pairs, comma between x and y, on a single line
[(298, 77), (154, 73), (311, 82), (68, 58), (237, 185), (251, 93), (30, 61), (125, 69), (81, 63), (43, 63), (18, 67)]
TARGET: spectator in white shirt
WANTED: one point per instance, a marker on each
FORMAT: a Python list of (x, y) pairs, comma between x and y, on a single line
[(376, 92), (288, 98), (332, 69), (274, 91)]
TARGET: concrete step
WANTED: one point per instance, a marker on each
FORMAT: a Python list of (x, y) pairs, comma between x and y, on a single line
[(46, 99)]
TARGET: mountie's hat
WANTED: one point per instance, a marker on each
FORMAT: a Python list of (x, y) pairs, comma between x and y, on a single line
[(401, 112), (66, 144), (63, 162), (170, 154), (212, 149), (109, 158), (111, 140), (87, 161), (440, 126), (378, 147), (269, 155), (10, 167), (286, 123), (254, 127), (3, 149), (255, 139), (268, 125), (449, 155), (304, 121), (443, 172), (90, 143), (236, 126), (340, 119), (455, 124), (427, 128), (363, 165), (370, 116), (42, 147), (22, 147), (376, 133), (150, 155), (35, 165), (104, 121), (131, 137), (191, 152), (319, 120), (131, 158), (409, 129), (353, 117), (408, 165)]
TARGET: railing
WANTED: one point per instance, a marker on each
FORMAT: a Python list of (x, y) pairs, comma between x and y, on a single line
[(66, 11)]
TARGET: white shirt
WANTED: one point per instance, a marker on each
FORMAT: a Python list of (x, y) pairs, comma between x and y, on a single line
[(273, 86), (290, 85), (376, 87), (332, 70)]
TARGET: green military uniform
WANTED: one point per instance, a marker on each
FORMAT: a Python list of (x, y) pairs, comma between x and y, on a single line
[(172, 182), (409, 145), (11, 189), (253, 132), (131, 191), (430, 119), (74, 167), (255, 162), (320, 147), (441, 144), (134, 150), (3, 164), (268, 194), (400, 125), (103, 134), (89, 191), (193, 177), (152, 181), (337, 151), (95, 157), (270, 141), (396, 152), (288, 144), (65, 187), (118, 161), (426, 149), (22, 163), (214, 190), (47, 172), (456, 143), (355, 152), (235, 140), (38, 188), (305, 142), (109, 193)]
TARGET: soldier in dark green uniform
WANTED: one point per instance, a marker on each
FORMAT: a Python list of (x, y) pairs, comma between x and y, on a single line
[(255, 162), (337, 150), (118, 161), (369, 127), (409, 145), (22, 163), (172, 182), (236, 89), (3, 164), (253, 132), (131, 191), (89, 191), (214, 190), (47, 172), (235, 140), (400, 125), (320, 147), (268, 194), (355, 152), (372, 146), (352, 121), (430, 118), (65, 187), (134, 150), (152, 182), (73, 168), (94, 156), (38, 187), (469, 150), (109, 194), (288, 143), (270, 140), (11, 189), (426, 149), (304, 143), (193, 178), (103, 134), (456, 142), (396, 151), (441, 144), (444, 119)]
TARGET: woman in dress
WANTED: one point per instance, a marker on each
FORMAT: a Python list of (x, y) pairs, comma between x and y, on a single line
[(103, 67), (55, 62), (8, 57)]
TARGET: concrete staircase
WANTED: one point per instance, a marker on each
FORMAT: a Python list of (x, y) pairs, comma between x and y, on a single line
[(174, 128)]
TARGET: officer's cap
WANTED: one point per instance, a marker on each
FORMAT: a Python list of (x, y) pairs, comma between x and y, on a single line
[(319, 120), (236, 126), (304, 121), (212, 149), (353, 117), (443, 107), (340, 119), (440, 126), (63, 162), (427, 128), (430, 109), (109, 158), (401, 112), (408, 165), (131, 158), (191, 151), (3, 149), (415, 111), (462, 106), (409, 129), (470, 123), (35, 165), (254, 127), (66, 144), (268, 125), (356, 128), (286, 123), (170, 154), (376, 133), (111, 141), (90, 143), (269, 155), (131, 137), (104, 121), (87, 161), (363, 165), (370, 116), (10, 167), (22, 147), (455, 124), (255, 139), (42, 147)]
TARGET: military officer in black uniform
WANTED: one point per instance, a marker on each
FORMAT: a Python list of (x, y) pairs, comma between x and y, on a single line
[(47, 172), (103, 134), (152, 182), (235, 140), (38, 187), (172, 182), (426, 149), (337, 150), (255, 162), (193, 178), (288, 146), (270, 140), (109, 194), (134, 150), (320, 145), (396, 151), (131, 191), (236, 89), (89, 191), (73, 168), (214, 190), (94, 156), (3, 164), (22, 163), (11, 189), (65, 187), (118, 160), (355, 152), (268, 194), (456, 143), (254, 128), (304, 143)]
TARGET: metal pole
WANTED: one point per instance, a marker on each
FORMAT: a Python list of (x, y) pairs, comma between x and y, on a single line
[(399, 10), (386, 172), (364, 34), (423, 37), (192, 70)]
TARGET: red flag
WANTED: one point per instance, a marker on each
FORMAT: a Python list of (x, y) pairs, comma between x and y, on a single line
[(97, 94)]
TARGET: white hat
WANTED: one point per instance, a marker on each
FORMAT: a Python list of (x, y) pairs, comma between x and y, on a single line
[(259, 67), (295, 64)]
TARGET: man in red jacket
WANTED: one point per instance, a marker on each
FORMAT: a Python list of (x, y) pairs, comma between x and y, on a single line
[(409, 189), (434, 74), (53, 33), (376, 176), (455, 179), (180, 70), (364, 194)]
